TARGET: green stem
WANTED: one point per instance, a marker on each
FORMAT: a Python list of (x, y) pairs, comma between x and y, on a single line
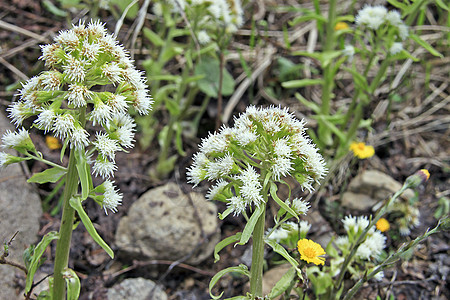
[(46, 161), (65, 230), (256, 271)]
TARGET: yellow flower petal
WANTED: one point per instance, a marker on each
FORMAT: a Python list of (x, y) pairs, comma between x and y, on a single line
[(383, 225), (310, 252), (362, 150), (52, 143), (340, 26)]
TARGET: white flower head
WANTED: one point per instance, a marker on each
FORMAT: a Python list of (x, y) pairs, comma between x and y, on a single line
[(396, 48), (106, 146), (216, 189), (237, 205), (45, 120), (282, 148), (300, 206), (79, 137), (113, 72), (203, 37), (349, 51), (220, 167), (15, 139), (394, 18), (18, 112), (279, 234), (304, 228), (281, 167), (74, 69), (103, 167), (371, 16), (78, 95), (403, 32), (251, 188), (143, 101), (112, 198), (91, 51), (101, 113), (63, 126)]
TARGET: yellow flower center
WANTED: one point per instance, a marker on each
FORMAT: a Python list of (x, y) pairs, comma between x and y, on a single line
[(309, 252), (383, 225), (361, 146)]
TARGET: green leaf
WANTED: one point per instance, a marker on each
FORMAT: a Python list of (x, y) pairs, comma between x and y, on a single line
[(172, 106), (72, 283), (122, 4), (225, 242), (291, 84), (308, 17), (358, 78), (283, 284), (273, 193), (280, 250), (53, 9), (228, 211), (311, 105), (50, 175), (210, 68), (424, 44), (241, 269), (84, 173), (38, 251), (250, 226), (179, 139), (153, 37), (75, 202)]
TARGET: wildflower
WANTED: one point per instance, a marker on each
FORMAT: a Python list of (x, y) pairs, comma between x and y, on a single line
[(79, 137), (372, 246), (105, 145), (103, 167), (216, 189), (64, 125), (7, 159), (371, 16), (311, 251), (237, 204), (304, 228), (396, 48), (394, 18), (383, 225), (340, 26), (112, 198), (78, 95), (362, 150), (417, 178), (52, 143), (203, 37), (19, 141), (251, 188), (45, 120), (279, 234), (299, 206)]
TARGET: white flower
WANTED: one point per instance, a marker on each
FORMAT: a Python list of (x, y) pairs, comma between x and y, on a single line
[(96, 28), (281, 167), (403, 31), (299, 206), (371, 16), (143, 101), (349, 223), (342, 242), (51, 80), (67, 38), (106, 146), (279, 234), (91, 51), (103, 167), (63, 126), (364, 252), (14, 139), (49, 54), (157, 9), (237, 205), (112, 197), (45, 120), (101, 113), (282, 148), (394, 18), (125, 135), (74, 70), (404, 230), (79, 138), (203, 37), (244, 136), (78, 95), (216, 189), (133, 77), (18, 112), (251, 188), (214, 143), (349, 51), (379, 276), (195, 174), (372, 246), (113, 72), (220, 167), (3, 159), (396, 48), (362, 222), (304, 227)]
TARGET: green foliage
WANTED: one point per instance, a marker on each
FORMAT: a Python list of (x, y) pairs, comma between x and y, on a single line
[(209, 69)]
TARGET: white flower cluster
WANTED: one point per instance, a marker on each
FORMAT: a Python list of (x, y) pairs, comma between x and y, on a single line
[(91, 77), (374, 17), (289, 230), (227, 13), (372, 246), (269, 139)]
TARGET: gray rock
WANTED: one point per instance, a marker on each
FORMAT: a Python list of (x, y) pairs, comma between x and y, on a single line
[(162, 224), (136, 289), (20, 211), (371, 187)]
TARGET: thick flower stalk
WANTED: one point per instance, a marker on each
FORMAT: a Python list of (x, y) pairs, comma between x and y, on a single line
[(91, 84), (264, 146)]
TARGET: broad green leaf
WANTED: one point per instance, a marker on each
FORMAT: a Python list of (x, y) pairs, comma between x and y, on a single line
[(248, 230), (273, 193), (280, 250), (241, 269), (424, 44), (50, 175), (291, 84), (75, 202), (153, 37), (38, 251), (210, 68), (225, 242), (84, 173), (72, 283), (283, 284)]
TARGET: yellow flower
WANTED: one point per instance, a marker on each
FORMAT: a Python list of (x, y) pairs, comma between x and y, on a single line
[(425, 173), (362, 150), (340, 26), (310, 251), (52, 143), (383, 225)]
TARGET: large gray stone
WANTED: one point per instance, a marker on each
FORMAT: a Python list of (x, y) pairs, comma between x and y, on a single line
[(370, 188), (136, 289), (164, 224), (20, 211)]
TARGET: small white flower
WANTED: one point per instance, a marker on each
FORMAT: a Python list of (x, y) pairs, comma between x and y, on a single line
[(30, 86), (79, 138), (49, 55), (349, 223), (349, 51), (404, 230), (117, 103), (281, 167), (106, 146), (68, 38), (237, 204), (45, 120), (103, 167), (143, 101), (364, 252), (342, 242), (394, 18), (379, 276), (362, 222), (157, 9), (74, 70), (195, 174), (271, 125), (3, 159), (282, 148), (403, 31), (279, 234), (125, 135), (203, 37), (221, 167), (18, 112), (112, 197), (91, 51), (78, 95), (214, 143), (251, 188), (216, 189), (113, 72), (244, 136), (299, 206), (51, 80), (96, 28), (101, 113), (14, 139), (304, 228), (133, 77), (63, 126), (396, 48), (371, 16)]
